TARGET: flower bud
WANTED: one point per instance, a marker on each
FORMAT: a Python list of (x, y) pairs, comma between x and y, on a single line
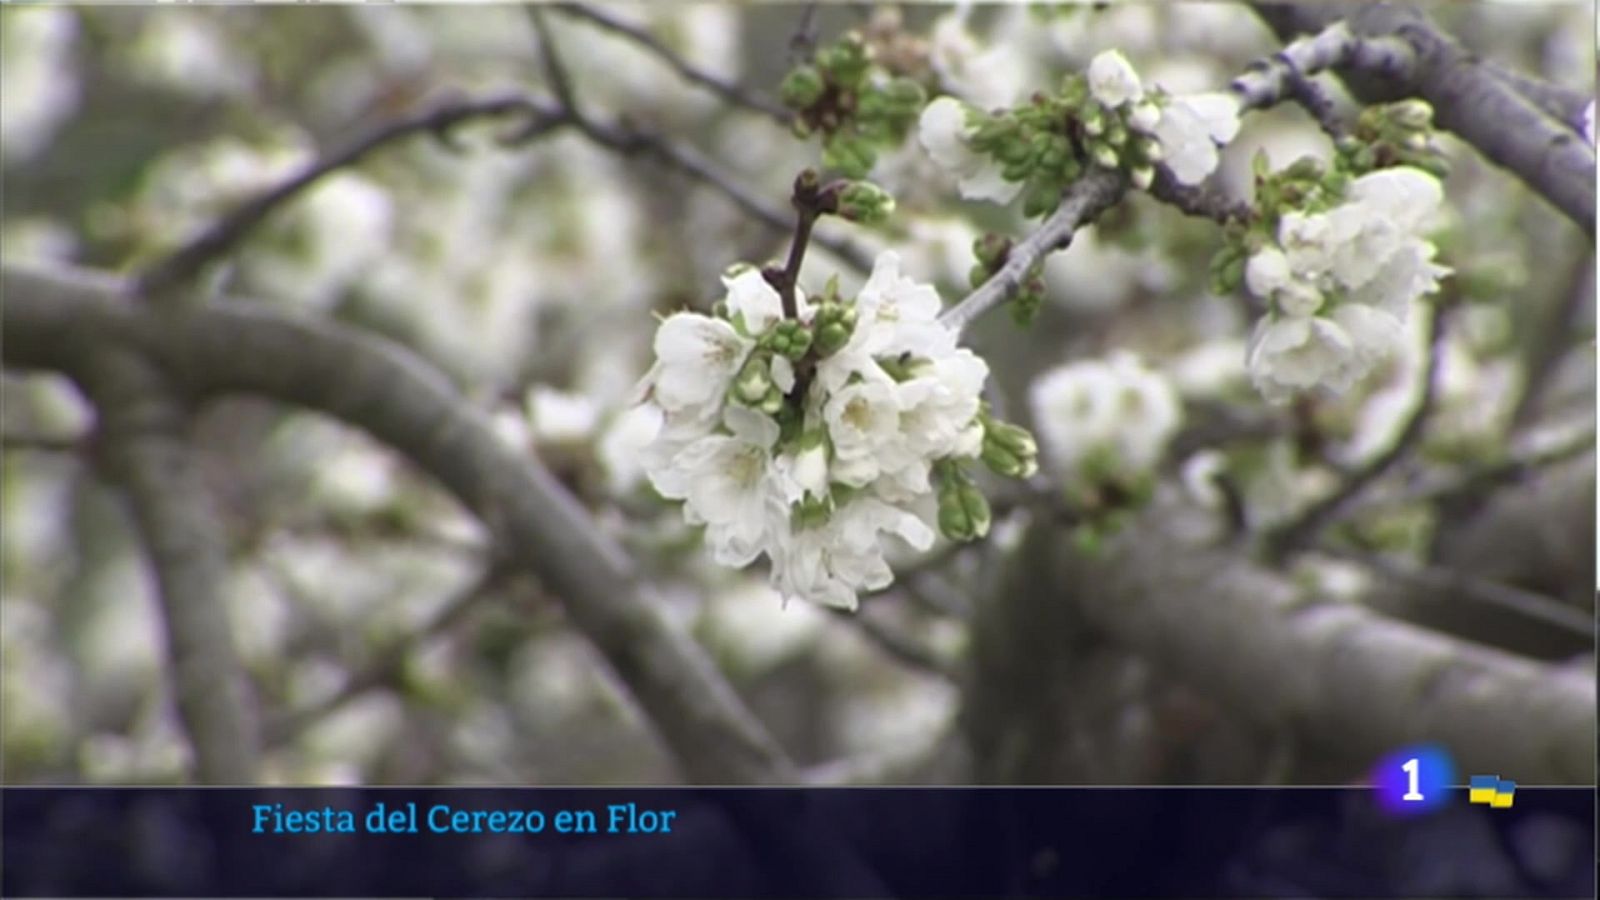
[(1014, 438), (865, 202), (802, 88), (905, 93), (850, 156), (963, 513), (1144, 117), (810, 512), (752, 383), (1143, 177), (1105, 157), (1094, 122), (834, 324), (772, 403), (1413, 113)]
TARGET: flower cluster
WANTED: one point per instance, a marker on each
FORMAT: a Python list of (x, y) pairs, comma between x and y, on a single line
[(1105, 118), (1104, 424), (856, 105), (1340, 283), (810, 437)]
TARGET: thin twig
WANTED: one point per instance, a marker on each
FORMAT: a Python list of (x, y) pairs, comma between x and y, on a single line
[(1311, 523), (725, 88), (1449, 582), (1086, 198), (803, 43), (629, 141), (226, 233), (1486, 478), (388, 662)]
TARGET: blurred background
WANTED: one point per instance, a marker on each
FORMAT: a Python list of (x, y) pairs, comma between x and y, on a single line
[(379, 652)]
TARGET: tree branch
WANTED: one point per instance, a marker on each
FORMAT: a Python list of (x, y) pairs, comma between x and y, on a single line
[(62, 319), (1089, 196), (725, 88), (1472, 100), (223, 235), (144, 449), (1440, 581), (1337, 671)]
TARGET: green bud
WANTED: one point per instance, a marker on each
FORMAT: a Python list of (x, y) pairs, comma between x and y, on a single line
[(865, 202), (1094, 122), (850, 156), (1413, 113), (1004, 461), (963, 513), (810, 512), (753, 382), (834, 323), (905, 93), (802, 88), (991, 249), (788, 338), (1041, 199), (977, 509), (1143, 177), (772, 403), (1012, 437), (846, 61), (1105, 157)]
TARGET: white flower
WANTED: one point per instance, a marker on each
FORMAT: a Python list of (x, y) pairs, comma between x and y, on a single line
[(943, 132), (804, 473), (828, 564), (895, 315), (1267, 272), (863, 420), (1189, 130), (899, 314), (938, 404), (1406, 197), (1293, 354), (1112, 79), (1406, 274), (754, 300), (727, 483), (696, 357), (1588, 123), (1112, 410), (1375, 333)]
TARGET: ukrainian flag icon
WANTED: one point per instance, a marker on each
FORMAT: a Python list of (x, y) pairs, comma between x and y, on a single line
[(1490, 790)]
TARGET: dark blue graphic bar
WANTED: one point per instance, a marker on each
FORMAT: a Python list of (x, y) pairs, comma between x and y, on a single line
[(787, 843)]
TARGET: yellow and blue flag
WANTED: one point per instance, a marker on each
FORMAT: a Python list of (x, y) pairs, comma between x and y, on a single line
[(1491, 790)]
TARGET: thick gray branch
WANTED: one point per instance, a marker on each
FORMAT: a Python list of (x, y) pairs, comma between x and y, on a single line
[(61, 319), (144, 449), (1335, 671), (1473, 100)]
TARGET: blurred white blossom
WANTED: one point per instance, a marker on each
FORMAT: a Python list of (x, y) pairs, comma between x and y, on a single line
[(1104, 418), (1341, 283)]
